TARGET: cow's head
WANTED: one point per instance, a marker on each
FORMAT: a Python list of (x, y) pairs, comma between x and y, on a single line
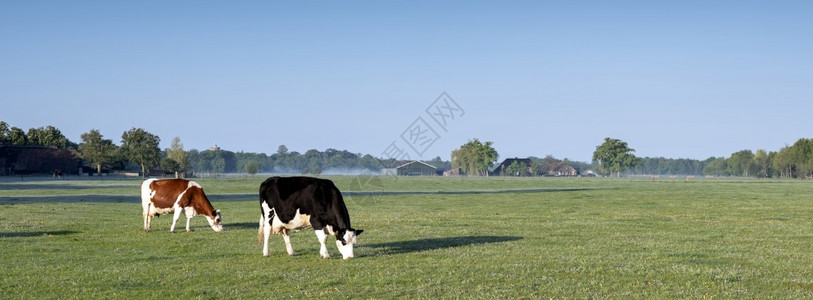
[(215, 221), (345, 240)]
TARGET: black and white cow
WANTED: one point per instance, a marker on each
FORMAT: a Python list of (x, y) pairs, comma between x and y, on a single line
[(299, 202)]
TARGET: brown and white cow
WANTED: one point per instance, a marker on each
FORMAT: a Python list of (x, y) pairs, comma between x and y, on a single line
[(164, 196)]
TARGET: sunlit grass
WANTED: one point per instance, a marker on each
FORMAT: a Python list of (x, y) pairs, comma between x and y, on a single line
[(580, 238)]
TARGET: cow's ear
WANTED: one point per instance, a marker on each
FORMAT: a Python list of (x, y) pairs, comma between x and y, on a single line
[(359, 231)]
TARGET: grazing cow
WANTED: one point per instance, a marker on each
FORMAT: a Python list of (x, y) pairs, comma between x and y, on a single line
[(300, 202), (160, 197)]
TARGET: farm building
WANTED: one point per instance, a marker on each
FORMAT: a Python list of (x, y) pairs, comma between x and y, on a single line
[(410, 168), (501, 169), (24, 160), (562, 169)]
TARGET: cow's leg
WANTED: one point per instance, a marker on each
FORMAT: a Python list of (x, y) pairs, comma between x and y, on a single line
[(149, 222), (320, 234), (147, 217), (190, 212), (266, 234), (287, 238), (178, 212), (146, 221)]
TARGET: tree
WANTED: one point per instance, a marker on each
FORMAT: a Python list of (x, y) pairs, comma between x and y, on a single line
[(547, 163), (194, 158), (614, 156), (282, 150), (96, 150), (741, 163), (169, 165), (794, 161), (534, 168), (17, 137), (439, 164), (312, 160), (140, 147), (5, 131), (516, 169), (762, 162), (252, 167), (474, 157), (218, 164), (244, 161), (177, 154), (801, 154), (782, 163), (715, 166), (48, 136)]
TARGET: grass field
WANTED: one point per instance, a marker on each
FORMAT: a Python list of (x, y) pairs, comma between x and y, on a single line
[(424, 238)]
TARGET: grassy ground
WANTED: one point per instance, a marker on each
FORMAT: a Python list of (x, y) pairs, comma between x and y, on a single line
[(516, 238)]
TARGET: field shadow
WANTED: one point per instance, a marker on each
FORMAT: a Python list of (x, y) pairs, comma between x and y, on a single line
[(436, 243), (68, 183), (58, 186), (242, 225), (133, 198), (233, 197), (71, 198), (6, 186), (36, 233)]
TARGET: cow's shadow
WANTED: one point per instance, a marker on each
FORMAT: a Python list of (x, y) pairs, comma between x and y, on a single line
[(420, 245), (241, 225)]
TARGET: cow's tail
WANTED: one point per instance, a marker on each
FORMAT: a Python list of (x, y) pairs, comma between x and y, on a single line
[(260, 231), (262, 218)]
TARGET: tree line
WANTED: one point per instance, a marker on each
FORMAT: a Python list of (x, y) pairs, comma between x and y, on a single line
[(791, 161), (670, 166), (47, 136), (283, 161), (139, 150)]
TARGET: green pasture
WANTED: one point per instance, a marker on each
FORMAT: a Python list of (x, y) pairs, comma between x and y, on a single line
[(428, 237)]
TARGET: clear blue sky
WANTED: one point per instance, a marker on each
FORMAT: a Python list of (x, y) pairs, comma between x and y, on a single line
[(678, 79)]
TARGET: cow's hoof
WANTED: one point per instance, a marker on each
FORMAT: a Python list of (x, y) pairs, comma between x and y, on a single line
[(325, 256), (266, 255), (172, 231), (291, 253)]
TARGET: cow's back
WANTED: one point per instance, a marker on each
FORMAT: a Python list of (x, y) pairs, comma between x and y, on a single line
[(166, 191), (316, 197)]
